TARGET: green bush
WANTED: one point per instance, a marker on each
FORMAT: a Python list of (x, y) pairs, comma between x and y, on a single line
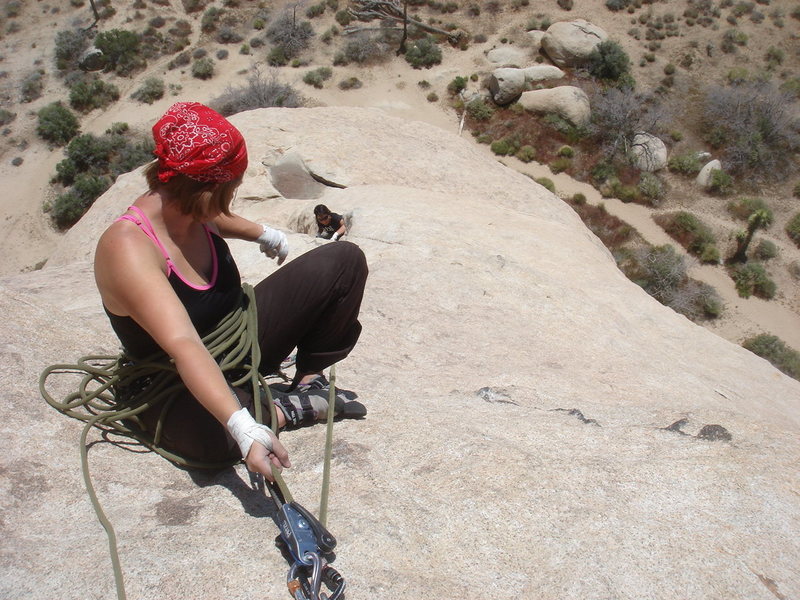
[(559, 165), (508, 146), (364, 49), (773, 349), (526, 153), (691, 233), (277, 57), (57, 124), (6, 116), (432, 97), (152, 89), (765, 250), (457, 85), (351, 83), (32, 86), (210, 19), (793, 228), (685, 164), (424, 52), (69, 207), (546, 183), (317, 76), (86, 95), (721, 183), (744, 207), (121, 49), (651, 189), (479, 109), (316, 10), (566, 151), (203, 68), (343, 17), (609, 61), (752, 279)]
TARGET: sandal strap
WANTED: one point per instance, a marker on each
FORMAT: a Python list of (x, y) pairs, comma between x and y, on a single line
[(296, 415)]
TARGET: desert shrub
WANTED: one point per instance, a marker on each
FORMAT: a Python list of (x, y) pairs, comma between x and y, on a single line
[(351, 83), (608, 61), (152, 89), (775, 350), (260, 91), (157, 22), (32, 86), (791, 87), (365, 49), (424, 52), (315, 10), (566, 151), (57, 124), (721, 183), (796, 190), (560, 164), (203, 68), (70, 45), (618, 115), (199, 53), (432, 97), (616, 5), (88, 94), (479, 109), (121, 49), (191, 6), (742, 208), (546, 183), (227, 35), (317, 76), (69, 207), (578, 198), (221, 54), (752, 279), (662, 273), (506, 146), (765, 250), (793, 229), (457, 85), (691, 233), (210, 19), (685, 164), (183, 59), (651, 189), (526, 153), (290, 36), (6, 116), (344, 18), (565, 4)]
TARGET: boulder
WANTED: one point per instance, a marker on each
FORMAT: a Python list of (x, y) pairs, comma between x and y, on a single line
[(648, 152), (535, 39), (292, 179), (567, 101), (542, 73), (703, 178), (508, 56), (506, 85), (569, 43)]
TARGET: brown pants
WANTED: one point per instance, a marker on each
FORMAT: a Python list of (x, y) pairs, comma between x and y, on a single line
[(311, 303)]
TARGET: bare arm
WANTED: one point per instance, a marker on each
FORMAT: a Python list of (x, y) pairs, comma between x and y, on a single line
[(130, 277), (234, 226)]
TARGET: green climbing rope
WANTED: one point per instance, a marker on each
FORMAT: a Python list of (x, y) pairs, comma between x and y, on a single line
[(233, 343)]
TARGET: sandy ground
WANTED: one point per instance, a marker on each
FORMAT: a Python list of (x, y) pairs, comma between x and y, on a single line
[(26, 237)]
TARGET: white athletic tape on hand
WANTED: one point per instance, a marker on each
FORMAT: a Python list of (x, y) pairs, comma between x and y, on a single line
[(245, 431)]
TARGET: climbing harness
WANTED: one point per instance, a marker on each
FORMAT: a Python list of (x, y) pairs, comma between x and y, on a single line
[(233, 343)]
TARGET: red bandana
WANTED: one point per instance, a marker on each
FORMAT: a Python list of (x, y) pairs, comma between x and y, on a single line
[(200, 143)]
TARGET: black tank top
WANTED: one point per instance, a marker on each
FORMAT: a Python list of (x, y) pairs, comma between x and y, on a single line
[(206, 305)]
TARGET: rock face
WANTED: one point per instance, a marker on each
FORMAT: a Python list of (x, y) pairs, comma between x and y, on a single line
[(569, 43), (568, 101), (649, 153), (538, 426)]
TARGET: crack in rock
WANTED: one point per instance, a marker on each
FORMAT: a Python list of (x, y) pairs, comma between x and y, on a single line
[(576, 413), (495, 396)]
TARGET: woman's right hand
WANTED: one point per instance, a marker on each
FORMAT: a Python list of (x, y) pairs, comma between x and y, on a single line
[(261, 460)]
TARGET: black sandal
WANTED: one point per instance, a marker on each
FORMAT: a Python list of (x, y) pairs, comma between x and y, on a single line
[(307, 408)]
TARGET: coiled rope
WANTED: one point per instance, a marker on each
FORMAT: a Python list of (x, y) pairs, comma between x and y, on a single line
[(234, 345)]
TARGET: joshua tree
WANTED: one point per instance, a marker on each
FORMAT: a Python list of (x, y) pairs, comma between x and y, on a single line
[(760, 219)]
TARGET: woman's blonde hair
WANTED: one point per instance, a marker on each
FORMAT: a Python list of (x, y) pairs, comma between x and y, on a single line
[(197, 198)]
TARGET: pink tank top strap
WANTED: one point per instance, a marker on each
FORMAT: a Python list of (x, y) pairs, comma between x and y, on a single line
[(143, 223)]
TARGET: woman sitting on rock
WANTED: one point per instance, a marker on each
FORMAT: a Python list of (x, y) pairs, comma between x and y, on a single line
[(167, 277)]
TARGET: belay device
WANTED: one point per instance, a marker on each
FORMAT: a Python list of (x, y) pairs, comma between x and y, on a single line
[(307, 544)]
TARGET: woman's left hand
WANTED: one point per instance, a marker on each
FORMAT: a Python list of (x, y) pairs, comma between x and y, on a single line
[(261, 460)]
